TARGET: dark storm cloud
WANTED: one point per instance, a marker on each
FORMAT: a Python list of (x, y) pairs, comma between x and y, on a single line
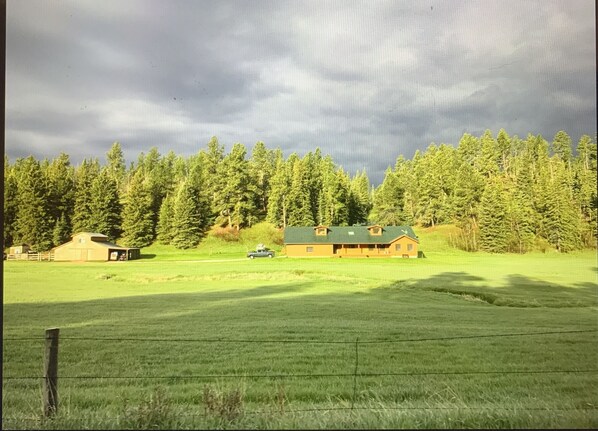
[(363, 81)]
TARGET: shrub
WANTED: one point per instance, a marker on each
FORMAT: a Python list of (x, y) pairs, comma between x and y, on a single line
[(265, 233), (223, 404), (228, 234), (155, 412)]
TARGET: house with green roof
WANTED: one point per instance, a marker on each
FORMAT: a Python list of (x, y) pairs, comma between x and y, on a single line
[(351, 241)]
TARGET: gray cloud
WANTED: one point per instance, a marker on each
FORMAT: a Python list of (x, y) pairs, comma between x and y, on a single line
[(363, 81)]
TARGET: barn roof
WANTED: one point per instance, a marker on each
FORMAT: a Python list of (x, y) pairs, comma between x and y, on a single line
[(346, 235), (99, 240)]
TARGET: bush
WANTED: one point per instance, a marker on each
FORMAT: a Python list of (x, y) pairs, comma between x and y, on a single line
[(154, 412), (223, 404), (228, 234), (262, 233), (542, 244)]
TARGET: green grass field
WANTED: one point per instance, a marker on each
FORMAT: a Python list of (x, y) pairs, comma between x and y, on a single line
[(209, 339)]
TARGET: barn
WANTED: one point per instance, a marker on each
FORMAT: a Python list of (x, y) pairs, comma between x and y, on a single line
[(87, 247), (351, 241)]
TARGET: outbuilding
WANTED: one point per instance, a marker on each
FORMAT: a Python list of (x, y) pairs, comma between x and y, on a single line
[(351, 241), (87, 247)]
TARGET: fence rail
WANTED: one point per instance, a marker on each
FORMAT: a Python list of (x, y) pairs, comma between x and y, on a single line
[(49, 256)]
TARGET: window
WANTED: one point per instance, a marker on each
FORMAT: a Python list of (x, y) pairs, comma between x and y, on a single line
[(409, 247), (81, 240), (321, 231), (309, 249), (375, 230), (398, 247)]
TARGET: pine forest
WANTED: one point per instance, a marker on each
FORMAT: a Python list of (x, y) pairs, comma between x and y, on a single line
[(503, 194)]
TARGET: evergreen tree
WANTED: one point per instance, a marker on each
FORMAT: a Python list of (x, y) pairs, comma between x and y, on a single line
[(561, 147), (214, 182), (312, 163), (62, 230), (465, 202), (435, 174), (389, 201), (408, 183), (159, 182), (234, 201), (11, 196), (165, 222), (137, 223), (190, 212), (82, 213), (584, 188), (105, 205), (490, 155), (503, 143), (341, 194), (327, 196), (494, 233), (116, 166), (561, 218), (360, 202), (299, 203), (278, 200), (34, 219), (187, 218), (469, 149), (261, 168), (520, 221), (61, 182)]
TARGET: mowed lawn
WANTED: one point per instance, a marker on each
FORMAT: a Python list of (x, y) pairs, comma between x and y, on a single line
[(455, 340)]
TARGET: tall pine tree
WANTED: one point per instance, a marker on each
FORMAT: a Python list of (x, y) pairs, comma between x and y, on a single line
[(34, 218), (105, 206), (494, 227), (137, 224), (190, 212)]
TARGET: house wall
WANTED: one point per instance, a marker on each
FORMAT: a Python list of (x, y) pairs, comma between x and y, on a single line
[(86, 251), (360, 250), (357, 250), (404, 243), (301, 250)]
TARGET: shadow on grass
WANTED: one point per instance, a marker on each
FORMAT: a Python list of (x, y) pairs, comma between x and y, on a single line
[(519, 290), (147, 256), (287, 302)]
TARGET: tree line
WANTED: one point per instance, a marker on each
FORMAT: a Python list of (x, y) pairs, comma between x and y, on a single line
[(505, 194)]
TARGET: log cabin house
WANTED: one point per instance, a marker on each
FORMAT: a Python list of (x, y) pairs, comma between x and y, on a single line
[(351, 241)]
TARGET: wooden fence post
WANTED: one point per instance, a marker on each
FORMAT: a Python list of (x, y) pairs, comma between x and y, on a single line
[(51, 372)]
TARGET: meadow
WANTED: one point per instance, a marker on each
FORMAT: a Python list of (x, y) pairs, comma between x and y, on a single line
[(209, 339)]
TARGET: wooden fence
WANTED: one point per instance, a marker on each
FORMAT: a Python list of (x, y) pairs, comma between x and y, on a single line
[(49, 256)]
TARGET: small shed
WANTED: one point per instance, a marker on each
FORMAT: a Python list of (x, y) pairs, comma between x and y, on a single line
[(88, 247), (19, 249)]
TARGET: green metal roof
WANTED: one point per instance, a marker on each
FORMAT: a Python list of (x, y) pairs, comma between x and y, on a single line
[(346, 235)]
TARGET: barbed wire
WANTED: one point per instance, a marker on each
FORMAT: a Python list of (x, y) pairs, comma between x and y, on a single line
[(304, 341), (284, 376), (355, 375)]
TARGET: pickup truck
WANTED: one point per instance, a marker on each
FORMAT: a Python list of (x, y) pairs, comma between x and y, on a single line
[(260, 253)]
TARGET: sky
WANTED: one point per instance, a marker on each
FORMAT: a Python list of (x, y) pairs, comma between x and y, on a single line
[(364, 81)]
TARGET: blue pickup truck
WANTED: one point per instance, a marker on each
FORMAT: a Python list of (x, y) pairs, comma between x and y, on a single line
[(260, 251)]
